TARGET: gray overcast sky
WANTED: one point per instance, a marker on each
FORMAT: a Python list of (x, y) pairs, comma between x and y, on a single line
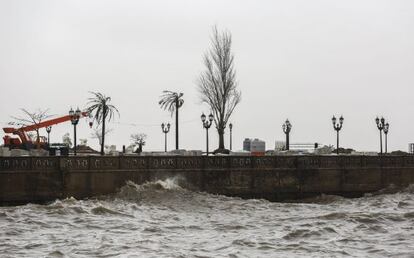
[(302, 60)]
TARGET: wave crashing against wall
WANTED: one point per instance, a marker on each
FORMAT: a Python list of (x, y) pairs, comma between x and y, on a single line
[(165, 220)]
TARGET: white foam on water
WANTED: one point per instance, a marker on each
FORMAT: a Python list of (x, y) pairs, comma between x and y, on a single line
[(162, 219)]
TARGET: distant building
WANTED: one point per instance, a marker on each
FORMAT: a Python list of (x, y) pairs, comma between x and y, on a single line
[(411, 148), (297, 147), (257, 147), (254, 146), (246, 144), (304, 147)]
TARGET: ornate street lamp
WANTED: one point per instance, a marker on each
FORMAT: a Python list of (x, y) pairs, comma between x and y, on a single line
[(337, 127), (287, 126), (380, 125), (74, 118), (231, 137), (165, 130), (48, 130), (386, 128), (207, 124)]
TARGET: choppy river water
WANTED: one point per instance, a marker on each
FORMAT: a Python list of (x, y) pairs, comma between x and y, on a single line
[(161, 219)]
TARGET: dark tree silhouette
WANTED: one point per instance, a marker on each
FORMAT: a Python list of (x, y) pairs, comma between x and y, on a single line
[(172, 101), (139, 139), (32, 118), (217, 84), (99, 104)]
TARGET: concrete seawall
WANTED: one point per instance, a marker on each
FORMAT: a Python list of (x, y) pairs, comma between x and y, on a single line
[(276, 178)]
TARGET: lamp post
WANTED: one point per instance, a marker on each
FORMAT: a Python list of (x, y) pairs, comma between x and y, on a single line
[(207, 124), (48, 130), (386, 128), (287, 126), (380, 125), (165, 130), (231, 138), (337, 127), (74, 118)]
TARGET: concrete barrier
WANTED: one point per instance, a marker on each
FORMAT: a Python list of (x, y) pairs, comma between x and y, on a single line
[(5, 152), (276, 178)]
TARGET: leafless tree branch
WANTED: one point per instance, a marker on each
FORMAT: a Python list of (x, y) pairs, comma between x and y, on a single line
[(32, 118), (217, 84)]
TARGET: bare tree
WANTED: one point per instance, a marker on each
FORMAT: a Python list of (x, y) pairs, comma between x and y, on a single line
[(139, 139), (97, 134), (32, 118), (66, 140), (31, 135), (217, 85)]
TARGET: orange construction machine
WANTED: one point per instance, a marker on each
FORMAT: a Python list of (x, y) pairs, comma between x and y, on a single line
[(20, 140)]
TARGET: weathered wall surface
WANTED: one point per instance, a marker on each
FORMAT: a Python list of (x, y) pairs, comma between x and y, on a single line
[(277, 178)]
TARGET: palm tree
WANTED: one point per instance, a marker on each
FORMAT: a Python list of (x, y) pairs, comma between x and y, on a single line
[(99, 104), (172, 101)]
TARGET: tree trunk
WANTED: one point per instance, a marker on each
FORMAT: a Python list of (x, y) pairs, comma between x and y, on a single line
[(176, 124), (103, 130), (37, 139), (221, 138)]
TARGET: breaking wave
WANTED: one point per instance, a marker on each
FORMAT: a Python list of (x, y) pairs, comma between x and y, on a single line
[(163, 219), (132, 191)]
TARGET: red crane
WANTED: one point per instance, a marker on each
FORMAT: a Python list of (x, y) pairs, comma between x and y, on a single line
[(23, 141)]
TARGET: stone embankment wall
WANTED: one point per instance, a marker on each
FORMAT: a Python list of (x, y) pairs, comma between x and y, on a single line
[(276, 178)]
